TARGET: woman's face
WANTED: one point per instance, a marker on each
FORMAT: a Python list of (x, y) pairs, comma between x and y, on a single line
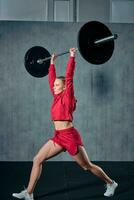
[(59, 86)]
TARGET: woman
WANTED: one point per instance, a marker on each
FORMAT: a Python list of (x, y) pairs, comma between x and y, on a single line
[(66, 137)]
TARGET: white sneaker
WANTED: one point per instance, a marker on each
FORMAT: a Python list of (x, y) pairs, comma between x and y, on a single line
[(23, 195), (110, 189)]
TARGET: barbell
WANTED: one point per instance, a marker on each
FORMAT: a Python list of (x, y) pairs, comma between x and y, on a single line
[(95, 44)]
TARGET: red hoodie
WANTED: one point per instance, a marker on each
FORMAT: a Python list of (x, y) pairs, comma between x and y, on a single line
[(64, 103)]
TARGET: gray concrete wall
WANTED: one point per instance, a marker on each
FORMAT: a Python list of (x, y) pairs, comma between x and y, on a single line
[(93, 10), (105, 109)]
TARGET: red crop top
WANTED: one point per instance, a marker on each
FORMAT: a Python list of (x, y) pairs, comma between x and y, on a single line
[(64, 103)]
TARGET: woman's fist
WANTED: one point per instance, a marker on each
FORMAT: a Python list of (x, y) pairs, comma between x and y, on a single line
[(72, 52), (53, 58)]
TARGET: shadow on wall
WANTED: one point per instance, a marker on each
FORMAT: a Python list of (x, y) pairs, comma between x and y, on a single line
[(102, 86)]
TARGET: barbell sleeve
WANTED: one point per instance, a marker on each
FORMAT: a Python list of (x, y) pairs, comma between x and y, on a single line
[(106, 39)]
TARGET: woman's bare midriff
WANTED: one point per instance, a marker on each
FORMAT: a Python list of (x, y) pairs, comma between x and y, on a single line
[(59, 125)]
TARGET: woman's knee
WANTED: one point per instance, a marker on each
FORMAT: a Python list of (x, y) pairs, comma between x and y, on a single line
[(37, 160), (87, 166)]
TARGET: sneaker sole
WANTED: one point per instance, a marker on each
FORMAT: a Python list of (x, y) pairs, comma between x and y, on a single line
[(16, 196)]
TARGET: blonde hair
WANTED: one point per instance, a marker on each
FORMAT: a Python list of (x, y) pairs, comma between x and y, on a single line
[(61, 78)]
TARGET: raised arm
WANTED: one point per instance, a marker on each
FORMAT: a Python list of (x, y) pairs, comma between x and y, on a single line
[(52, 73), (70, 72)]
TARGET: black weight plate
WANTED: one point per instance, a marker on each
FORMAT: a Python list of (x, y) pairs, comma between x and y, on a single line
[(95, 53), (30, 61)]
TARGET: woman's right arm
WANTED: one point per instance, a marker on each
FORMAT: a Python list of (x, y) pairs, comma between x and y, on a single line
[(52, 73)]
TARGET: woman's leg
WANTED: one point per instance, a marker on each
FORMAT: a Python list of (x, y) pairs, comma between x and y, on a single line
[(49, 150), (82, 159)]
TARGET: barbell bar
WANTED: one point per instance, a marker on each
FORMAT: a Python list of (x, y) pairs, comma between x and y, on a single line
[(95, 43), (40, 61)]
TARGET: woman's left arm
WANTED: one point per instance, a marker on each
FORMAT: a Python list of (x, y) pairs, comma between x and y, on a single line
[(70, 72)]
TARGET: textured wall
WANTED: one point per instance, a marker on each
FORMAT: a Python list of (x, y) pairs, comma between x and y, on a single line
[(105, 109)]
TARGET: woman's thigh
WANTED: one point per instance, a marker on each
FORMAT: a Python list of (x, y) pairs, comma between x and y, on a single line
[(81, 157), (49, 150)]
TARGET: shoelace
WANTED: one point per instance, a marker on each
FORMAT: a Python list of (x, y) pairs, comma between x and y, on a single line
[(107, 186)]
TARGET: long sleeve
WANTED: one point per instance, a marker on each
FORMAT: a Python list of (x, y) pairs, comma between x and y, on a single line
[(69, 75), (52, 77)]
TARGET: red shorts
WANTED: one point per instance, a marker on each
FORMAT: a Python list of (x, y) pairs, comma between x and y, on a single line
[(69, 139)]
